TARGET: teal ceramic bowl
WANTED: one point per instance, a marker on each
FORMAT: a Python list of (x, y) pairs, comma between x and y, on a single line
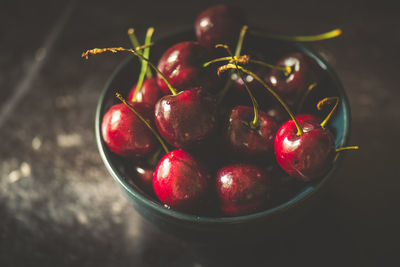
[(219, 229)]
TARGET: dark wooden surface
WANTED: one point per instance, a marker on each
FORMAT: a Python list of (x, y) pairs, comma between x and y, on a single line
[(60, 207)]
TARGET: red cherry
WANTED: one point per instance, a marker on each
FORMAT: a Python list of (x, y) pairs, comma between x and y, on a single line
[(219, 24), (248, 142), (125, 134), (308, 156), (187, 118), (182, 66), (181, 182), (242, 189), (150, 92), (293, 86), (141, 174)]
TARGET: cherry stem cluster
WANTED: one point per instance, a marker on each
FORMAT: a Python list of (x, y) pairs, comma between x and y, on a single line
[(133, 51), (237, 54), (254, 124), (299, 38), (119, 96)]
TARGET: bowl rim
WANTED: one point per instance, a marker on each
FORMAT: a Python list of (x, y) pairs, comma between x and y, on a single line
[(281, 208)]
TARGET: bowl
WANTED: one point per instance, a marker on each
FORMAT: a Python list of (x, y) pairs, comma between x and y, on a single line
[(219, 229)]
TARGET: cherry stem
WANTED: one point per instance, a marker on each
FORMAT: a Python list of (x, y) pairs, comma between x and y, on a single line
[(144, 68), (255, 122), (133, 51), (240, 59), (245, 59), (286, 70), (299, 129), (322, 103), (347, 148), (237, 54), (304, 97), (119, 96), (136, 44), (300, 38), (153, 160)]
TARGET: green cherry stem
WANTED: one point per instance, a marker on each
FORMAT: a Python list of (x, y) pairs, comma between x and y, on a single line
[(119, 96), (322, 103), (245, 59), (133, 51), (153, 160), (238, 50), (230, 66), (240, 59), (144, 68), (136, 44), (304, 97), (255, 123), (347, 148), (300, 38), (286, 70)]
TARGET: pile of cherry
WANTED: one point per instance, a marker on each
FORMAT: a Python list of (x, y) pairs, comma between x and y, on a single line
[(221, 156)]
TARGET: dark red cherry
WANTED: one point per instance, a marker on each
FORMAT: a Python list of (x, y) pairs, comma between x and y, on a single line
[(182, 65), (187, 118), (141, 174), (292, 87), (125, 134), (307, 156), (181, 182), (150, 92), (242, 189), (246, 141), (219, 24)]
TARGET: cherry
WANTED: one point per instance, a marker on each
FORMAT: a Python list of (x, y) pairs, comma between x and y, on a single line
[(150, 93), (219, 24), (187, 118), (182, 66), (124, 132), (141, 174), (306, 156), (242, 189), (247, 141), (181, 182), (291, 87)]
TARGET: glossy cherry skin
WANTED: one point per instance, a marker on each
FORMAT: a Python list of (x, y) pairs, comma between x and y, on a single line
[(125, 134), (187, 118), (308, 156), (247, 142), (182, 65), (293, 86), (150, 92), (219, 24), (181, 182), (242, 189)]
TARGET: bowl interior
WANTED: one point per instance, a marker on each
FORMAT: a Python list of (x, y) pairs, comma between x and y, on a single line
[(126, 75)]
